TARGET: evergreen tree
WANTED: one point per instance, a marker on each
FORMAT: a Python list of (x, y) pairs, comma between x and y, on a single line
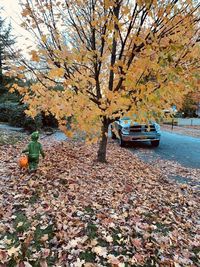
[(6, 51)]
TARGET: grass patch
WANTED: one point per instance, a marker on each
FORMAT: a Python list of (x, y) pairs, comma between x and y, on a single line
[(31, 237), (10, 138), (34, 198), (88, 256), (91, 231)]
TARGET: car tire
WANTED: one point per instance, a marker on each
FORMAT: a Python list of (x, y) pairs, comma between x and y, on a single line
[(113, 135), (122, 143), (155, 143)]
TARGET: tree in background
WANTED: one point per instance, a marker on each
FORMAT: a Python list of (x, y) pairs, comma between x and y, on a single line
[(112, 58), (190, 106), (6, 51), (191, 101)]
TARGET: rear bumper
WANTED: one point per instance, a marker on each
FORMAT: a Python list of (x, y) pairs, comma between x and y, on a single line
[(140, 138)]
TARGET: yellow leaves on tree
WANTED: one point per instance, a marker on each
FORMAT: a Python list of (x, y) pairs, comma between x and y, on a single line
[(34, 56), (44, 38), (105, 59), (56, 73), (25, 12)]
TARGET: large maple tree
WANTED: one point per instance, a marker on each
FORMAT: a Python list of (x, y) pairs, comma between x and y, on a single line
[(98, 60)]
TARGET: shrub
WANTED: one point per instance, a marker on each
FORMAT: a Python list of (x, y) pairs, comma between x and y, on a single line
[(6, 109), (14, 114), (8, 97), (49, 120), (17, 116), (31, 124)]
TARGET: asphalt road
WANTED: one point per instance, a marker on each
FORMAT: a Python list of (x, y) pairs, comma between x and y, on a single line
[(180, 148)]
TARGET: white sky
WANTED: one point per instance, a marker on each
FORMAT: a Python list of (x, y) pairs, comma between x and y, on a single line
[(11, 11)]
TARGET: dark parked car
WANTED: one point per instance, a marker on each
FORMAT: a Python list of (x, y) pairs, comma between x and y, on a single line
[(128, 131)]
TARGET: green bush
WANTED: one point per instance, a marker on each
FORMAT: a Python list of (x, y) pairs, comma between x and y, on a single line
[(31, 124), (8, 97), (6, 110), (14, 114), (49, 120), (17, 116)]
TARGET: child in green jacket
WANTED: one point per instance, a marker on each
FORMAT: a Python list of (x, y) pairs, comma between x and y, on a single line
[(34, 150)]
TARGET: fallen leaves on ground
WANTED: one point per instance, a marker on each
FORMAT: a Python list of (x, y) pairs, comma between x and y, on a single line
[(170, 168), (178, 172), (77, 212)]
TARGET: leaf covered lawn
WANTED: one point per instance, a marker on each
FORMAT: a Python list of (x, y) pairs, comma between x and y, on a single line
[(76, 212)]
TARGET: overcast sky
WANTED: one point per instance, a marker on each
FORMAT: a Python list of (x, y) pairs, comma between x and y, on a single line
[(11, 11)]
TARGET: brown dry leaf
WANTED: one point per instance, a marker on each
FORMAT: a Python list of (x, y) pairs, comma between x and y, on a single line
[(101, 251), (3, 256), (43, 263), (151, 214), (44, 237), (89, 264)]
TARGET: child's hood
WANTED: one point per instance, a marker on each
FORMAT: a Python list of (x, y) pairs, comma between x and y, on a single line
[(35, 136)]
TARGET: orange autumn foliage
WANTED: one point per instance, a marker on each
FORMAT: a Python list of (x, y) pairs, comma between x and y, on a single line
[(97, 61)]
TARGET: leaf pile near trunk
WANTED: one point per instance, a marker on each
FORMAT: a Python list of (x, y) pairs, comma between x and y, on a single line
[(76, 212)]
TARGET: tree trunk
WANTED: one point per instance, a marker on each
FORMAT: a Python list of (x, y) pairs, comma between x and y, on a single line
[(101, 156), (1, 67)]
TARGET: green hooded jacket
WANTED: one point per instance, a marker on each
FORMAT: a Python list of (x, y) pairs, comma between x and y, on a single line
[(34, 148)]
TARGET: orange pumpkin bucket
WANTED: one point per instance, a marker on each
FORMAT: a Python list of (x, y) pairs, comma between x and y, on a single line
[(23, 162)]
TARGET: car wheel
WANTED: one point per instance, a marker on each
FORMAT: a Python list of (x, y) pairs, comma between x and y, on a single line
[(122, 143), (155, 143), (113, 135)]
